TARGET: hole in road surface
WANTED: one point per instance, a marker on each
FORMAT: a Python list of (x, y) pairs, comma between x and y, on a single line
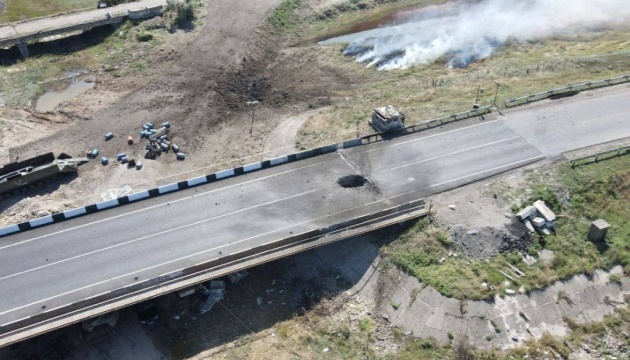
[(351, 181)]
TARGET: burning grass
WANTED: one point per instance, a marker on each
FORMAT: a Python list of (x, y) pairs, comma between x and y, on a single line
[(434, 90), (599, 190)]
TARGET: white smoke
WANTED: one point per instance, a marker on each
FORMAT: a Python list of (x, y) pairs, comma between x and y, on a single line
[(473, 31)]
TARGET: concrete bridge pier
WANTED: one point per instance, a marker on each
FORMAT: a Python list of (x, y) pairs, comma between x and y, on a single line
[(23, 47)]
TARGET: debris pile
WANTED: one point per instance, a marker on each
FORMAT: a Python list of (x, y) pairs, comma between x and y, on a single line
[(215, 293), (387, 118), (538, 217), (159, 141)]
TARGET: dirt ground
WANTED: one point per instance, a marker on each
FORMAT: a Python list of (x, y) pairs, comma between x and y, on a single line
[(202, 87)]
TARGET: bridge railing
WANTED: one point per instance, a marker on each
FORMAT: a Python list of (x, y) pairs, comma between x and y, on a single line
[(428, 124), (604, 155), (567, 90)]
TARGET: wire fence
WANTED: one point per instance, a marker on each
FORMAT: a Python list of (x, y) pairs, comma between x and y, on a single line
[(567, 90)]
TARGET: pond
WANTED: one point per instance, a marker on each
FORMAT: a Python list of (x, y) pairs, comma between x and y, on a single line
[(50, 100)]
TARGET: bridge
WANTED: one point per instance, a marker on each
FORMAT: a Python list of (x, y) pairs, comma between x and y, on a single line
[(22, 33), (57, 274)]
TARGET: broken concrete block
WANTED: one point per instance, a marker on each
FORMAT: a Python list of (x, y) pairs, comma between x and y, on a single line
[(529, 226), (473, 232), (597, 231), (529, 260), (544, 211), (546, 231), (510, 291), (217, 284), (452, 207), (538, 222), (237, 276), (526, 213)]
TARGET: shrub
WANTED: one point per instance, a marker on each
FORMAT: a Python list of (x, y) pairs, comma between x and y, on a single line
[(178, 14), (144, 37)]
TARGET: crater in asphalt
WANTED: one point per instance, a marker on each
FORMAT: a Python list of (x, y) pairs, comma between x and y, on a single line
[(351, 181)]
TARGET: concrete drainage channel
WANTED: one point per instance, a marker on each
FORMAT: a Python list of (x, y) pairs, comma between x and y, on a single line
[(199, 273)]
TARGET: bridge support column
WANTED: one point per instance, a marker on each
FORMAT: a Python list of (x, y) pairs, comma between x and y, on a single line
[(23, 49)]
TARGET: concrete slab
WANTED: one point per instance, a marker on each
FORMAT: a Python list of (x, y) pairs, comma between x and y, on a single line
[(436, 319), (545, 211), (440, 336), (551, 312), (455, 325), (431, 297), (451, 307), (526, 213), (478, 329), (420, 311)]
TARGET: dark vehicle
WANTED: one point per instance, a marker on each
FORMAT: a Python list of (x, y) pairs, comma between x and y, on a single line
[(36, 171), (147, 313)]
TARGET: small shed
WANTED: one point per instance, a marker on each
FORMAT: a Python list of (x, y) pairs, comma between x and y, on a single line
[(387, 118)]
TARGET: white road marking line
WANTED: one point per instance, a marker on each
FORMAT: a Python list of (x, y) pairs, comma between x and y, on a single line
[(449, 154), (432, 136), (156, 206), (529, 160), (228, 187), (152, 235), (513, 164)]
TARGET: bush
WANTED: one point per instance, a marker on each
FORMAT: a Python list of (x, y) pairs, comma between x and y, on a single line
[(178, 14), (144, 37)]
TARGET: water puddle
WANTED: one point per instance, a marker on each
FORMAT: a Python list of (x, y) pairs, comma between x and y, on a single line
[(50, 100)]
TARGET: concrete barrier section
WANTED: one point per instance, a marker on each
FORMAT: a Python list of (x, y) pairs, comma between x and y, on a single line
[(351, 143), (41, 221), (326, 149), (168, 188), (9, 230), (138, 196), (304, 154), (74, 212), (278, 160), (252, 167), (225, 173), (198, 181), (107, 204)]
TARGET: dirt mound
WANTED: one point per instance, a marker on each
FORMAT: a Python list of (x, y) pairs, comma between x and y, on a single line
[(488, 241)]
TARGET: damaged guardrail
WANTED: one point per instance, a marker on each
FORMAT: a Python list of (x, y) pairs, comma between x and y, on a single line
[(604, 155), (429, 124), (567, 90)]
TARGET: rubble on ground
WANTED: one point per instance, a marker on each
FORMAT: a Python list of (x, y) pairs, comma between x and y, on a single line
[(537, 218)]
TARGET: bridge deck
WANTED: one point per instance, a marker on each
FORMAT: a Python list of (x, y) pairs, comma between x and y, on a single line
[(67, 262), (11, 34)]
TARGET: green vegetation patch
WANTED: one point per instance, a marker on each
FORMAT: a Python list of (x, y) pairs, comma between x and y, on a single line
[(17, 10), (284, 16), (579, 196)]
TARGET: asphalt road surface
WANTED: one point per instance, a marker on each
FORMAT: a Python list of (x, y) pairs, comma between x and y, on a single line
[(59, 264)]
